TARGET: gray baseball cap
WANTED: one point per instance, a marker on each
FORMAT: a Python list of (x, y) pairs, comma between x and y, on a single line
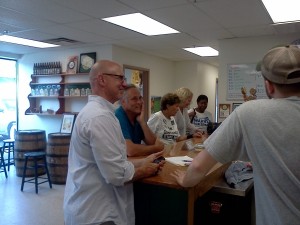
[(281, 65)]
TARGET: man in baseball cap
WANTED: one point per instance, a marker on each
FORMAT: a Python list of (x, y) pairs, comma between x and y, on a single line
[(264, 132), (281, 65)]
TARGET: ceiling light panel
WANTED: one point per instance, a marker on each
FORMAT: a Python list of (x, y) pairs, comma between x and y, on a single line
[(27, 42), (203, 51), (141, 23), (283, 11)]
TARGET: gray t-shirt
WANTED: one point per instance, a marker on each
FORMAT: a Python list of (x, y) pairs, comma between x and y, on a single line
[(265, 132), (183, 122)]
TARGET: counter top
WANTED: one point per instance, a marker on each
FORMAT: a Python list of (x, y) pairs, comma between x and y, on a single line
[(241, 189)]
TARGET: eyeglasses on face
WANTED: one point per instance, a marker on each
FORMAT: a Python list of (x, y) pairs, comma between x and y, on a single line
[(121, 78)]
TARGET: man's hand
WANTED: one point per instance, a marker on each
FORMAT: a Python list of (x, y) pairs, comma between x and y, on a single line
[(152, 157), (197, 134), (140, 118), (179, 176), (160, 145), (150, 169)]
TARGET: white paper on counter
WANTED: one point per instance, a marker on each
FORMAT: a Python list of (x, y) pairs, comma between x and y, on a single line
[(180, 160)]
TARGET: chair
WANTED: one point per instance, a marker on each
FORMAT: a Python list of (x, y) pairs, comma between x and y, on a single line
[(2, 163), (36, 156), (8, 148)]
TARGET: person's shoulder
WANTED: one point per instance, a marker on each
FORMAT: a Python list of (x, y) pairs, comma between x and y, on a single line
[(185, 110), (178, 115), (256, 102), (190, 110), (119, 111), (207, 112), (155, 116), (253, 105), (121, 115)]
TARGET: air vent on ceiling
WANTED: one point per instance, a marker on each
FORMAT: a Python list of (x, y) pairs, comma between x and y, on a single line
[(62, 41)]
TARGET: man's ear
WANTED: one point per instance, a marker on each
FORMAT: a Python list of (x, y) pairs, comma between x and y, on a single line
[(100, 79), (269, 87)]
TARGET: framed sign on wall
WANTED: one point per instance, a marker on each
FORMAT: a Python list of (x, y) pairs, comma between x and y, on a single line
[(244, 76), (67, 123), (86, 62), (235, 105), (224, 110)]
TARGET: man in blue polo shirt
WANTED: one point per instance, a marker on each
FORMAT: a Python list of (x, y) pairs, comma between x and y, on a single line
[(134, 128)]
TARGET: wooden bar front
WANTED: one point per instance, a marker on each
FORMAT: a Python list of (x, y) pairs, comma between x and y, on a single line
[(145, 190)]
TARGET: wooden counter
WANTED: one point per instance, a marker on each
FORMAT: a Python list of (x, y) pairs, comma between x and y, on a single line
[(165, 180)]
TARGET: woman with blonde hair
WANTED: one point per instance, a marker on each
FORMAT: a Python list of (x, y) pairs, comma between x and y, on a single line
[(182, 118)]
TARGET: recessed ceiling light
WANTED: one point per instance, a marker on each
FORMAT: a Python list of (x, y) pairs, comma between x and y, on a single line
[(203, 51), (27, 42), (141, 23), (283, 11)]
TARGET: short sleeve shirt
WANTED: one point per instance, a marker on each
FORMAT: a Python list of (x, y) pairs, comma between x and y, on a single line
[(166, 129), (132, 132)]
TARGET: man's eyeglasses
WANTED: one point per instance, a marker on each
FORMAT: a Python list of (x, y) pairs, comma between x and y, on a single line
[(121, 78)]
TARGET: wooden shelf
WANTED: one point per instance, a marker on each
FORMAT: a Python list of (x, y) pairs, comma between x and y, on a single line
[(59, 75), (63, 81)]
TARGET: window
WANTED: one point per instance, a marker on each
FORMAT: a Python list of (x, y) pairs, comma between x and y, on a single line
[(8, 99)]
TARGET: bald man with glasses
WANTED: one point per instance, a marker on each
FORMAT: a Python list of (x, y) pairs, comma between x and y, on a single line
[(99, 181)]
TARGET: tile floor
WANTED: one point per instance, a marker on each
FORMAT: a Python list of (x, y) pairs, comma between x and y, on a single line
[(27, 207)]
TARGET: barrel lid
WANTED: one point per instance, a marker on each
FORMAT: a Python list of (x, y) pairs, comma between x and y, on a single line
[(30, 131), (59, 135)]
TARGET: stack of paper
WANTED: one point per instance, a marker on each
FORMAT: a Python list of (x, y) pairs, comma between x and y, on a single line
[(180, 160)]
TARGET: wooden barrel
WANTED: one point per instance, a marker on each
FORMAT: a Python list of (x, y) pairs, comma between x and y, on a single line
[(57, 156), (28, 141)]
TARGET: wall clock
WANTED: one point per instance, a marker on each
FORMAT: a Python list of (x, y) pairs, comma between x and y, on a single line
[(87, 60), (72, 65)]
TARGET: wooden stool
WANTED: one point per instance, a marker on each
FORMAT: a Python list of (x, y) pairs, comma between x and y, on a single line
[(2, 163), (8, 148), (35, 156)]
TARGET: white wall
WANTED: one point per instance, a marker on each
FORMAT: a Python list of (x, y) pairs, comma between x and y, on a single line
[(200, 78), (162, 71), (245, 50), (165, 76), (49, 123)]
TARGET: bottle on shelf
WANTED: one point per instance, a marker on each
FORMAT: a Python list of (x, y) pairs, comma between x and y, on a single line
[(43, 87)]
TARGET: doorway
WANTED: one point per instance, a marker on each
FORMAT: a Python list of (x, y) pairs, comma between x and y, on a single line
[(140, 78), (8, 98)]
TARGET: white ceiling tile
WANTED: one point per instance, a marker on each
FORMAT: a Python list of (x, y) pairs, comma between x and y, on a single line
[(201, 23), (143, 5), (252, 31), (72, 33), (13, 18), (184, 18), (46, 10), (235, 13), (105, 29), (97, 8), (287, 28)]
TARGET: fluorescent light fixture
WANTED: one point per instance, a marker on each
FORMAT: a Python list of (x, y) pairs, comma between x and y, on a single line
[(27, 42), (286, 11), (141, 23), (203, 51)]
